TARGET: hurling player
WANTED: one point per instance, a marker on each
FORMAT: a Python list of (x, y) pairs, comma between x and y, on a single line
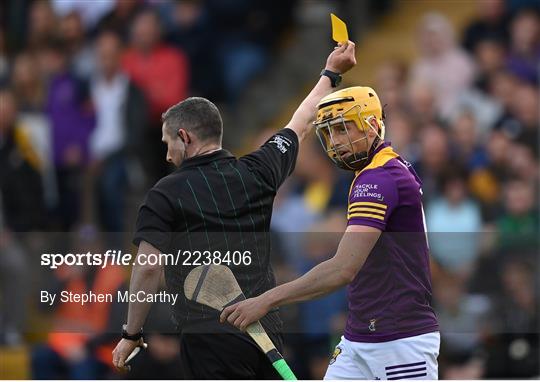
[(392, 331)]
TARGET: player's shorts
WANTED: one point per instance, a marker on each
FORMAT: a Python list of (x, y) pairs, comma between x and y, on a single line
[(406, 358)]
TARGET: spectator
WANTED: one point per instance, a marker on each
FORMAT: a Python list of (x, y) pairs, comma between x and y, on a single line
[(150, 63), (434, 157), (486, 183), (490, 56), (120, 122), (421, 104), (525, 46), (442, 64), (523, 163), (192, 31), (29, 89), (120, 18), (502, 86), (520, 121), (498, 148), (464, 136), (41, 25), (491, 23), (453, 223), (27, 83), (518, 226), (526, 111), (70, 113), (402, 135), (20, 183), (390, 78), (80, 52)]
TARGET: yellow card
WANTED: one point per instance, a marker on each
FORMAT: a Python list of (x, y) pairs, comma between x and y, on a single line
[(339, 29)]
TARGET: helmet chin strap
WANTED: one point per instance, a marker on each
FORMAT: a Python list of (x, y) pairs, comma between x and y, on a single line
[(359, 164)]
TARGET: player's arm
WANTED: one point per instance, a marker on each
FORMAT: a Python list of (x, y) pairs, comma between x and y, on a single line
[(144, 277), (339, 61), (330, 275)]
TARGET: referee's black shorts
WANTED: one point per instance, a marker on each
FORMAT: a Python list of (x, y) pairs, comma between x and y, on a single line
[(207, 354)]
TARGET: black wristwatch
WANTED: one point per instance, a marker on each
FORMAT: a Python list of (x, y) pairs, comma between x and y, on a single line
[(131, 337), (335, 78)]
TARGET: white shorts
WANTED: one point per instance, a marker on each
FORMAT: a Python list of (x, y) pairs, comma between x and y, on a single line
[(406, 358)]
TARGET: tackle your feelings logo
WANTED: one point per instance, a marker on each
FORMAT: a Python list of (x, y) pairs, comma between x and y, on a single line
[(337, 352)]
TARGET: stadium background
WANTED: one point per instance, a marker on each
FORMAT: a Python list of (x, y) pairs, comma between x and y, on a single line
[(460, 84)]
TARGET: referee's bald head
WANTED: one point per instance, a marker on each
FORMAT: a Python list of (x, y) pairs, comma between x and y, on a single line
[(196, 115)]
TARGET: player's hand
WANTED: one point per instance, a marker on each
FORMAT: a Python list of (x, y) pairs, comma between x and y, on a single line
[(245, 312), (122, 351), (342, 58)]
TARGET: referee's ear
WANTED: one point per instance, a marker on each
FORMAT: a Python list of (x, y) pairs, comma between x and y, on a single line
[(184, 136)]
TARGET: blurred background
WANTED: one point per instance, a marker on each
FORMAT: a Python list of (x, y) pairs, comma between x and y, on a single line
[(82, 87)]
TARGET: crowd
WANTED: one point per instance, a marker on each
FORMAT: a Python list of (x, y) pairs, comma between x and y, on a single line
[(83, 85)]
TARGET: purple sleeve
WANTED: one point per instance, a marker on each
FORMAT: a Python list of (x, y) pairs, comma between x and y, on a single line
[(372, 199)]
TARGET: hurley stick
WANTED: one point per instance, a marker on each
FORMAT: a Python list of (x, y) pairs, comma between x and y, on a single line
[(216, 287)]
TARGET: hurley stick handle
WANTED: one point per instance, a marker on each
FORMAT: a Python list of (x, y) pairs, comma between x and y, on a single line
[(259, 335), (284, 370)]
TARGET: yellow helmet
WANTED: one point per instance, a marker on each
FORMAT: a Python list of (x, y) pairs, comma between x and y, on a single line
[(358, 104)]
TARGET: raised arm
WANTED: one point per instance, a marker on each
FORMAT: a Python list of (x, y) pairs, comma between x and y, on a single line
[(339, 61)]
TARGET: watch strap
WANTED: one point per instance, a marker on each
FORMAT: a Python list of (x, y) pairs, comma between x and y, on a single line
[(131, 337), (335, 78)]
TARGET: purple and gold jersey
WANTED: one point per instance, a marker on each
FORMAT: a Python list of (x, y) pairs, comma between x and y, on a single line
[(390, 297)]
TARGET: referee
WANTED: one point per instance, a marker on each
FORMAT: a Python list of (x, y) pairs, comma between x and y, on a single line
[(217, 208)]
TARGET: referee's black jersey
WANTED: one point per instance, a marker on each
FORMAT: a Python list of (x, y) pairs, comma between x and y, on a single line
[(216, 208)]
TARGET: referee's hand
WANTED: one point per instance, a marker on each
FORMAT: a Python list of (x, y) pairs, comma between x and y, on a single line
[(246, 312), (342, 58), (122, 351)]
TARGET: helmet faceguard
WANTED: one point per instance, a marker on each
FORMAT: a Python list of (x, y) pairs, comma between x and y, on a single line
[(332, 120)]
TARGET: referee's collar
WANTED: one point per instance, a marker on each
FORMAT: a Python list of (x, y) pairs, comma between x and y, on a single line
[(203, 159)]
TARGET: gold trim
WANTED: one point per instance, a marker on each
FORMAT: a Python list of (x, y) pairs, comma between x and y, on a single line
[(371, 204), (359, 215), (363, 209)]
